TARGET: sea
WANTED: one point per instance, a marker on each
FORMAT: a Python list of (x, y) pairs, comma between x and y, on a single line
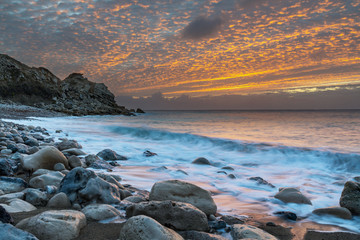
[(314, 151)]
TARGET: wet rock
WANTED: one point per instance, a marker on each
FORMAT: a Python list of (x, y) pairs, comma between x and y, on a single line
[(59, 167), (32, 142), (217, 224), (176, 215), (110, 179), (278, 231), (5, 217), (139, 110), (74, 161), (11, 184), (54, 225), (322, 235), (261, 181), (73, 151), (232, 176), (201, 161), (9, 232), (146, 228), (35, 197), (59, 200), (240, 231), (95, 162), (195, 235), (45, 158), (98, 212), (287, 215), (350, 197), (110, 155), (51, 179), (67, 144), (231, 220), (181, 191), (17, 205), (5, 168), (339, 212), (147, 153), (292, 195)]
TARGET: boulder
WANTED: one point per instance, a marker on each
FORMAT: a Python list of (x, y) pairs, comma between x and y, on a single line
[(201, 161), (339, 212), (110, 155), (5, 217), (195, 235), (74, 161), (145, 228), (59, 200), (261, 181), (54, 225), (9, 232), (95, 162), (51, 178), (36, 197), (241, 231), (292, 195), (84, 186), (98, 212), (181, 191), (45, 158), (5, 168), (6, 197), (67, 144), (322, 235), (277, 230), (177, 215), (59, 167), (350, 197), (11, 184), (73, 152), (17, 205)]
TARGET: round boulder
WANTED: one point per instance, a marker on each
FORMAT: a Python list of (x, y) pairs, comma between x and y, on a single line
[(98, 212), (201, 161), (339, 212), (292, 195), (350, 197), (45, 158)]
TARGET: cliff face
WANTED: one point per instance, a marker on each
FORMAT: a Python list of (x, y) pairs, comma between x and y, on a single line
[(38, 87)]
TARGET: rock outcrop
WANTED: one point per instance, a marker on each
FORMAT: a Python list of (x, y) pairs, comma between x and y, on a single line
[(75, 95)]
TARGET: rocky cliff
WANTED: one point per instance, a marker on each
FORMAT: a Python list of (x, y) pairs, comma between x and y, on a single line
[(75, 95)]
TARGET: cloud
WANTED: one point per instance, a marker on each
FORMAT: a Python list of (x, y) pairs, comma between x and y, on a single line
[(202, 27)]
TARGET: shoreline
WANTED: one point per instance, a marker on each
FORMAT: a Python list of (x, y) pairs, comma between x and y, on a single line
[(112, 229)]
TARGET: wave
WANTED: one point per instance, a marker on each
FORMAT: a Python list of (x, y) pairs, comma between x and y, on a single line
[(337, 160)]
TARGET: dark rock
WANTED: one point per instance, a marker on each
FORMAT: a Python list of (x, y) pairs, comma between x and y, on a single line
[(5, 217), (287, 215), (67, 144), (217, 224), (339, 212), (9, 232), (147, 153), (32, 142), (232, 176), (5, 168), (139, 110), (195, 235), (11, 184), (322, 235), (283, 233), (110, 155), (95, 162), (227, 168), (231, 220), (201, 161), (74, 162), (292, 195), (261, 181), (36, 197), (350, 197)]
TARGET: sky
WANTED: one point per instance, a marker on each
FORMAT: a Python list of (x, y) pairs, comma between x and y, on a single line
[(195, 49)]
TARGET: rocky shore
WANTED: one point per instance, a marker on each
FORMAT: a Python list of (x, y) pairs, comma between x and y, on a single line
[(51, 189)]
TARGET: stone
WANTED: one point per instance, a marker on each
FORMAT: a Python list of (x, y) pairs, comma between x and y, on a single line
[(110, 155), (59, 167), (231, 220), (9, 232), (277, 230), (110, 179), (292, 195), (232, 176), (217, 224), (241, 231), (84, 186), (32, 150), (201, 161), (95, 162), (287, 215), (52, 178), (145, 228), (181, 191), (74, 161), (261, 181), (45, 158), (67, 144), (6, 197), (322, 235), (17, 205), (5, 168), (135, 199), (41, 172), (32, 142), (147, 153), (6, 151), (54, 225), (195, 235), (350, 197), (339, 212), (73, 151), (11, 184), (228, 168), (5, 217), (177, 215), (98, 212), (59, 200), (36, 197)]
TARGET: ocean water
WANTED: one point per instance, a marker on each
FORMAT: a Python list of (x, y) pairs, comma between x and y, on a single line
[(316, 151)]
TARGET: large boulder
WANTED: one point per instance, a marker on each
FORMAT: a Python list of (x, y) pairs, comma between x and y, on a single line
[(110, 155), (145, 228), (292, 195), (17, 205), (9, 232), (339, 212), (242, 231), (98, 212), (11, 184), (54, 225), (45, 158), (350, 197), (84, 186), (181, 191), (67, 144), (51, 178), (177, 215)]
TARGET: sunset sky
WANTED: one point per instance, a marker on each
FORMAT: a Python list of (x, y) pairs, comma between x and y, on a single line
[(196, 48)]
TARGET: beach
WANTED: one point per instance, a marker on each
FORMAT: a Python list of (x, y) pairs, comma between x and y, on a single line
[(143, 169)]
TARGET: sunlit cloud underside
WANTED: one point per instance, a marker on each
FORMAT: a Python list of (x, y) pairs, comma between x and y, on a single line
[(202, 47)]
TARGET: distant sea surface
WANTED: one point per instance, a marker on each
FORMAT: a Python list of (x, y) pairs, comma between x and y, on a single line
[(316, 151)]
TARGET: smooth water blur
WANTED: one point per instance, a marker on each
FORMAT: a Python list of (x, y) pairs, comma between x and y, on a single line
[(316, 151)]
